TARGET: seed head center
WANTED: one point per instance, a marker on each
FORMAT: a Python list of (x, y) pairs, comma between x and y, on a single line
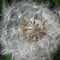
[(34, 30)]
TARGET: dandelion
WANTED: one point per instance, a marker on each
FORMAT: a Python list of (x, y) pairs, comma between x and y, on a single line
[(27, 21)]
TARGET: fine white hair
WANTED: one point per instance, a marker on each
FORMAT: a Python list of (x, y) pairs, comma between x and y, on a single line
[(13, 40)]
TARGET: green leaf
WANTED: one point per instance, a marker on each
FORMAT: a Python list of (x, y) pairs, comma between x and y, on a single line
[(57, 1), (5, 57)]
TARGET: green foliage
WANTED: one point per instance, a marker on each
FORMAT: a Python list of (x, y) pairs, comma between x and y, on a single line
[(0, 48), (5, 57), (57, 1), (55, 55)]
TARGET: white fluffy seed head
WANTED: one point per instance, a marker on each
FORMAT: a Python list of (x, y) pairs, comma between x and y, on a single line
[(22, 15)]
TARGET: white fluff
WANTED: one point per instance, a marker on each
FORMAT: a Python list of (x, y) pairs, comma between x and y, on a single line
[(11, 36)]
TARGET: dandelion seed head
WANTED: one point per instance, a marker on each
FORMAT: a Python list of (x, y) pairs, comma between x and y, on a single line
[(34, 29), (28, 21)]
